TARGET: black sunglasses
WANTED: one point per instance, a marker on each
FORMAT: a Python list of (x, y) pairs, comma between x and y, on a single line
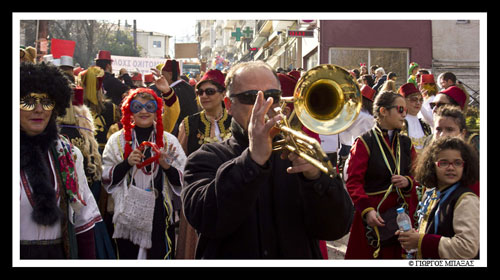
[(208, 91), (399, 109), (436, 105), (248, 97)]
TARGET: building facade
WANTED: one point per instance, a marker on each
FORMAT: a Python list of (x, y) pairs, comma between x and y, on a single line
[(391, 44), (153, 44), (455, 48), (224, 42), (436, 45)]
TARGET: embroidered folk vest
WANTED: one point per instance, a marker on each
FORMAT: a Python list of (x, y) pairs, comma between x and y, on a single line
[(378, 177), (445, 214), (198, 129)]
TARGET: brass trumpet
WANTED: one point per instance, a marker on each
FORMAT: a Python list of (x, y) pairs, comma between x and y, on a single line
[(327, 100)]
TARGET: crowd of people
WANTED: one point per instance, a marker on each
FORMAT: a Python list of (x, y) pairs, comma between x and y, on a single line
[(163, 168)]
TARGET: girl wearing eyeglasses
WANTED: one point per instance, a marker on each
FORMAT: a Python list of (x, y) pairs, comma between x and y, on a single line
[(379, 181), (448, 223), (159, 181)]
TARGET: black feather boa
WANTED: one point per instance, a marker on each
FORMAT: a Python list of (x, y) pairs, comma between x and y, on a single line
[(34, 163)]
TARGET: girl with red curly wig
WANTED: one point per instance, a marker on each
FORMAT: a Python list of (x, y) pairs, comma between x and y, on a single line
[(123, 158)]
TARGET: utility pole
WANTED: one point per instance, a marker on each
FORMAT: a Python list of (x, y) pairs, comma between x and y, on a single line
[(42, 33), (135, 37)]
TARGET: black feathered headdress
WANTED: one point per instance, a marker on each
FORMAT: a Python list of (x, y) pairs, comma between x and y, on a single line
[(45, 78)]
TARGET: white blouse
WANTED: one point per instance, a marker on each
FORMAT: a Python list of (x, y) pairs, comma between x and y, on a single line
[(83, 219), (415, 132)]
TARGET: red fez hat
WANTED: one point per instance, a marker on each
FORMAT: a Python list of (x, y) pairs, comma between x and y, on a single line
[(295, 74), (288, 83), (456, 94), (148, 78), (78, 96), (407, 89), (137, 77), (192, 82), (169, 64), (104, 55), (77, 71), (368, 92), (215, 76), (427, 79)]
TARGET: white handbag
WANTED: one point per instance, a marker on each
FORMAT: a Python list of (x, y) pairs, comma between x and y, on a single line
[(133, 216)]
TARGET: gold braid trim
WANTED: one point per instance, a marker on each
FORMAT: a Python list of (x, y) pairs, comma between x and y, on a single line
[(186, 126), (366, 211), (419, 246), (366, 145), (208, 125)]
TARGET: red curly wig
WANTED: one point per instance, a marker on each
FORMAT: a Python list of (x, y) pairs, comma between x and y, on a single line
[(127, 122)]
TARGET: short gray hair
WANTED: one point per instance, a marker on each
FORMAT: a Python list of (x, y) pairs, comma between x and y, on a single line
[(231, 75), (380, 70)]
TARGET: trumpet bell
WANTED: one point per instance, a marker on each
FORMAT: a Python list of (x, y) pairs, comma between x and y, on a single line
[(327, 100)]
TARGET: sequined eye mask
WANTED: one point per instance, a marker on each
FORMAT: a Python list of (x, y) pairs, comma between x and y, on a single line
[(136, 106), (28, 102)]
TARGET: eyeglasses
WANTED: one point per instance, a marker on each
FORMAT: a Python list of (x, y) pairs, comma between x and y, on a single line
[(208, 91), (248, 97), (415, 99), (400, 109), (444, 163), (29, 102), (437, 105), (136, 106)]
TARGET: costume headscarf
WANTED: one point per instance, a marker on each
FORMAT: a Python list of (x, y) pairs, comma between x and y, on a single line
[(428, 83), (411, 67), (127, 121), (412, 78), (91, 80)]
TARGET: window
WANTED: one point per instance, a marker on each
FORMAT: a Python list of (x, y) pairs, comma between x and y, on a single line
[(156, 44), (349, 58), (311, 59), (392, 60)]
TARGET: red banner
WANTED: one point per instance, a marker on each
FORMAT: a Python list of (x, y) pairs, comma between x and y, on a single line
[(62, 47)]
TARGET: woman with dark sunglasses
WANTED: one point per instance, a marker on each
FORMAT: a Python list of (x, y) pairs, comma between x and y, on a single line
[(379, 181), (212, 123)]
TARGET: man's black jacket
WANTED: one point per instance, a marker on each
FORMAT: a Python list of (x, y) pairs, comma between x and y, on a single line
[(114, 88), (244, 211), (187, 102)]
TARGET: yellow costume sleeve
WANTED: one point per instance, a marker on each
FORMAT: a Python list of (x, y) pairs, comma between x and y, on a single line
[(170, 113)]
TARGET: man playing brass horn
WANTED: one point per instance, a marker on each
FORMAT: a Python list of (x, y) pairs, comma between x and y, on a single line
[(247, 202)]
